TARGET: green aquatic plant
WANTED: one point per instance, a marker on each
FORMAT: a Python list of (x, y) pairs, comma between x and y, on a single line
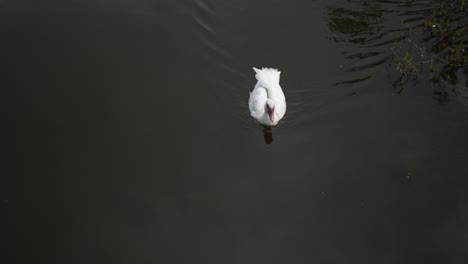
[(441, 51), (410, 60), (458, 56), (414, 58), (406, 65)]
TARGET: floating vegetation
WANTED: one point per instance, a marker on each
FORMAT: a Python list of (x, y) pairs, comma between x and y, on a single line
[(440, 53)]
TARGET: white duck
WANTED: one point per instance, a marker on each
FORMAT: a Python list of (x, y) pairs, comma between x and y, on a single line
[(267, 103)]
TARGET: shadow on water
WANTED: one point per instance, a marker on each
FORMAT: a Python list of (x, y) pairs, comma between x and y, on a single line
[(267, 135)]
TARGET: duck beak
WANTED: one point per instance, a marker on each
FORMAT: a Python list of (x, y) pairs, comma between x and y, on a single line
[(271, 114)]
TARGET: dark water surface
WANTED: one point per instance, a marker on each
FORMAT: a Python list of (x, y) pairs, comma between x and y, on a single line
[(129, 138)]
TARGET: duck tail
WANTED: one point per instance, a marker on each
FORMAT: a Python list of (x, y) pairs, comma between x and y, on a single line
[(267, 77)]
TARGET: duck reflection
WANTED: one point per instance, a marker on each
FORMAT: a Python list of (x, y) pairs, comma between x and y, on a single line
[(267, 135)]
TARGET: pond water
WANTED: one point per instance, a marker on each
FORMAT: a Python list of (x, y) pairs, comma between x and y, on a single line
[(130, 141)]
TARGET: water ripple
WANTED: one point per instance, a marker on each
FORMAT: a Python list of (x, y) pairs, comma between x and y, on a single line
[(369, 31)]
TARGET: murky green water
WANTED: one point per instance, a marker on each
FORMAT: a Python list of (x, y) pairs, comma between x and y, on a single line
[(129, 138)]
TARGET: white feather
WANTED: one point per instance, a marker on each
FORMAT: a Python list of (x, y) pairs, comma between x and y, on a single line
[(267, 76), (268, 90)]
